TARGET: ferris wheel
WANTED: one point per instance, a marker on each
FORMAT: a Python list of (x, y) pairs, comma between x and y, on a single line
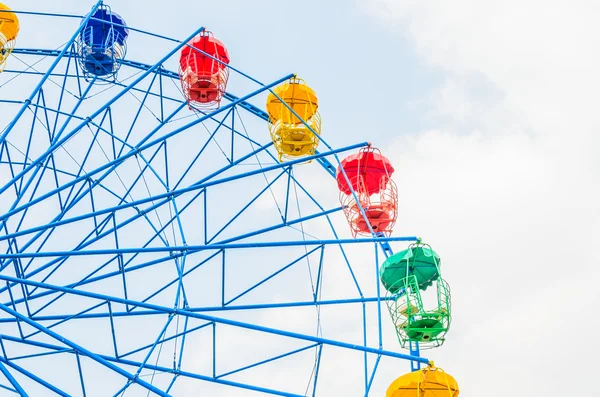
[(160, 235)]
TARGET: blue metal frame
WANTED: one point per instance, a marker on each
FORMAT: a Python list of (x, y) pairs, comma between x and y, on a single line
[(103, 205)]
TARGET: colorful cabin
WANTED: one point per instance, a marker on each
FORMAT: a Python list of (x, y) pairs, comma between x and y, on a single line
[(427, 382), (419, 260), (294, 134), (404, 275), (9, 30), (102, 44), (203, 71), (368, 173)]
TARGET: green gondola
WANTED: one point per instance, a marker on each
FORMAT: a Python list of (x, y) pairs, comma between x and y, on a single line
[(404, 276), (418, 260)]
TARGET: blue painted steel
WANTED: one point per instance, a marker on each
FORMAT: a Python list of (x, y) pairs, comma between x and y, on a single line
[(372, 376), (200, 316), (197, 248), (263, 306), (12, 380), (32, 376), (80, 375), (414, 351)]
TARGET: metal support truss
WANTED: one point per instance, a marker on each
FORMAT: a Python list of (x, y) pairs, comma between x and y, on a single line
[(117, 204)]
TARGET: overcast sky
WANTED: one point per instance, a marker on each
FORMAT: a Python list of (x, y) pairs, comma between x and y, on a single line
[(488, 111)]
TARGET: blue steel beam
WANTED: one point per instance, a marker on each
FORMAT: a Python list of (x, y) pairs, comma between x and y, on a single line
[(12, 380), (187, 313), (257, 306), (269, 277), (48, 109), (191, 249), (33, 377)]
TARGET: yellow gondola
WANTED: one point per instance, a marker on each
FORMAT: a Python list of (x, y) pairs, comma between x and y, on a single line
[(427, 382), (291, 137), (9, 29)]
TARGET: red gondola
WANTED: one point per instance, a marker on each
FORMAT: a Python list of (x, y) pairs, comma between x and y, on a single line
[(204, 74), (369, 174)]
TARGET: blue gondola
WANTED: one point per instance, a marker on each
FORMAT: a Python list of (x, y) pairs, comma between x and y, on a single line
[(102, 44)]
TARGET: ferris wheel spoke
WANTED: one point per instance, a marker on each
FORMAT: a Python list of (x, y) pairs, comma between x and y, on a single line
[(200, 309), (164, 98), (17, 387), (190, 249), (62, 321), (284, 224), (46, 122), (240, 212), (167, 339), (200, 316)]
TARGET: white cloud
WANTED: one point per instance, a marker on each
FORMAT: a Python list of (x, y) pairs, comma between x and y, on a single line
[(507, 184)]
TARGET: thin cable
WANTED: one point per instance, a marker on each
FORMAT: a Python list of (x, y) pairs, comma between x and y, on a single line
[(139, 100), (153, 204), (260, 164), (112, 86), (61, 86), (29, 67), (195, 114), (317, 308)]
